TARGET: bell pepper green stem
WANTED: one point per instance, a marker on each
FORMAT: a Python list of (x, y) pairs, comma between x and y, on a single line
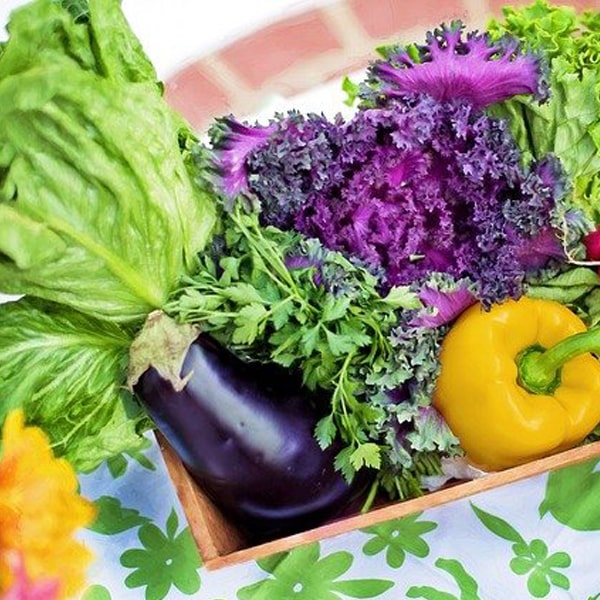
[(540, 369)]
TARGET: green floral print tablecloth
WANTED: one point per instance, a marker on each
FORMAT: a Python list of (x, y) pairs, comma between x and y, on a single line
[(539, 538)]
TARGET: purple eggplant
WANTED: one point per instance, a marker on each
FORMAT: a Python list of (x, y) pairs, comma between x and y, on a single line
[(245, 434)]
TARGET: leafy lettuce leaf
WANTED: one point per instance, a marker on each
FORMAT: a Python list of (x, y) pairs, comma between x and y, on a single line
[(100, 218), (98, 209), (567, 125), (67, 371), (93, 34)]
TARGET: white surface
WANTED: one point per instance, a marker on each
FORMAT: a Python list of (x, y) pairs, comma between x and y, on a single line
[(174, 32)]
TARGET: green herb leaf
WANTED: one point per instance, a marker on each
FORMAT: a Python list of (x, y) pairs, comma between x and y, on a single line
[(334, 308), (339, 344), (243, 293), (325, 431), (366, 455), (310, 339), (249, 323), (402, 297)]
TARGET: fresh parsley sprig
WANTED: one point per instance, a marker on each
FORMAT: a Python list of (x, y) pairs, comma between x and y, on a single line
[(277, 296)]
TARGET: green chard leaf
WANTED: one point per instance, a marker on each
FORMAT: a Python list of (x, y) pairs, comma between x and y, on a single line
[(102, 208), (66, 371)]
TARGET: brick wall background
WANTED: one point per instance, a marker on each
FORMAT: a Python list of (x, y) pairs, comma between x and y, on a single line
[(295, 54)]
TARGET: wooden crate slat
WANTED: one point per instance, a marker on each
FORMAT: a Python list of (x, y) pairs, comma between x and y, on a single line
[(221, 545)]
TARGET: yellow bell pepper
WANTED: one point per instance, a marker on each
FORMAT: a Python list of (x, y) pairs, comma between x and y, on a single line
[(519, 381)]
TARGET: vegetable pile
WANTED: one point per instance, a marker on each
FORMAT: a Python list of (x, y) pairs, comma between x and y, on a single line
[(337, 252)]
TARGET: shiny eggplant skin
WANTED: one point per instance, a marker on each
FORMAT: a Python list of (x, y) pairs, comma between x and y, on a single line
[(245, 434)]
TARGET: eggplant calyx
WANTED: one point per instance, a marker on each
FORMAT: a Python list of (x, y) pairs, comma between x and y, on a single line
[(162, 344)]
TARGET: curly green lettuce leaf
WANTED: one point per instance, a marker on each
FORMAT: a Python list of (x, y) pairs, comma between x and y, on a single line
[(99, 209), (568, 125), (67, 372), (556, 30), (93, 34)]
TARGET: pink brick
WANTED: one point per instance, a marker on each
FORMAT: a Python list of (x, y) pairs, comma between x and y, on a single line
[(196, 96), (272, 50), (384, 18)]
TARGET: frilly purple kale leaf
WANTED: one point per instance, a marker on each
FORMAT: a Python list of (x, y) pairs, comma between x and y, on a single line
[(449, 66), (415, 188)]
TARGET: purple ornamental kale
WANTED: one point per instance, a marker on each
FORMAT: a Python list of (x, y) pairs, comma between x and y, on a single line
[(531, 231), (475, 70), (434, 187), (280, 164), (233, 141), (424, 184)]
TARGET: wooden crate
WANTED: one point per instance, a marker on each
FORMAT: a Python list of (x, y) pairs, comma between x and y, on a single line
[(221, 545)]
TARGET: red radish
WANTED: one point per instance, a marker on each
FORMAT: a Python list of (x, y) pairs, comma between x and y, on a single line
[(592, 245)]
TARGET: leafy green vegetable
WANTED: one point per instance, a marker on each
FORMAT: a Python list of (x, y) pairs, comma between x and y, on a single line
[(100, 216), (99, 211), (67, 371), (276, 296), (592, 307), (566, 287), (79, 9), (575, 287), (568, 125), (557, 30)]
